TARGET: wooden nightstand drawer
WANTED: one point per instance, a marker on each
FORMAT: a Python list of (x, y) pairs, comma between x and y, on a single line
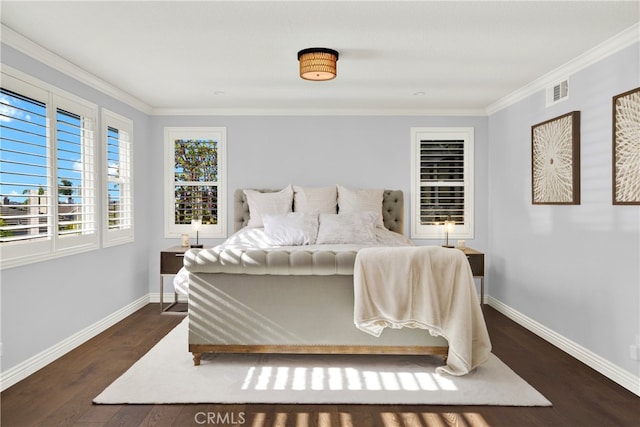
[(171, 262), (476, 261)]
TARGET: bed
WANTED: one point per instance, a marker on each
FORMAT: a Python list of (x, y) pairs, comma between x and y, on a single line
[(258, 293)]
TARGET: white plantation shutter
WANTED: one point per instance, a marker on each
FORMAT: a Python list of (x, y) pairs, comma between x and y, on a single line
[(73, 141), (47, 172), (441, 181), (76, 181), (118, 172), (442, 169)]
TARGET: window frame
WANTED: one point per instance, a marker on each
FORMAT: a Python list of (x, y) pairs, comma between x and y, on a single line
[(437, 231), (55, 244), (171, 134), (113, 237)]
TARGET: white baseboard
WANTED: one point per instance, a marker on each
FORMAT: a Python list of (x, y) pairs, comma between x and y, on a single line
[(613, 372), (22, 370)]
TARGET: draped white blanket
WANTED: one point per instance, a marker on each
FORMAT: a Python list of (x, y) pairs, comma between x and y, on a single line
[(428, 287)]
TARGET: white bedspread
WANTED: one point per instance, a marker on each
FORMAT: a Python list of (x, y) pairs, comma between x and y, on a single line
[(426, 287), (255, 238)]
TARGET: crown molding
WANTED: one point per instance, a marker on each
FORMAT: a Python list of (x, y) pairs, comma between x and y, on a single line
[(19, 42), (314, 112), (607, 48)]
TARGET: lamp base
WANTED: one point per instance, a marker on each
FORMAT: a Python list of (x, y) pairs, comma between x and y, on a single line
[(196, 246), (448, 246)]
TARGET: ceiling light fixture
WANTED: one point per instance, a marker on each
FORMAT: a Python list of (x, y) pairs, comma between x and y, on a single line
[(318, 63)]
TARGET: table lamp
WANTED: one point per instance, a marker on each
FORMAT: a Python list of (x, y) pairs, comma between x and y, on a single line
[(196, 224), (448, 227)]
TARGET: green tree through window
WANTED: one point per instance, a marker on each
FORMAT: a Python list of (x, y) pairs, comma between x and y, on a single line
[(196, 178)]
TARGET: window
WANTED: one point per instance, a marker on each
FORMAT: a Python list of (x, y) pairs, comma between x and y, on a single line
[(117, 134), (47, 172), (442, 183), (195, 181)]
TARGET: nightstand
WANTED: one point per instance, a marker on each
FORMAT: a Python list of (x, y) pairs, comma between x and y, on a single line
[(171, 261), (476, 261)]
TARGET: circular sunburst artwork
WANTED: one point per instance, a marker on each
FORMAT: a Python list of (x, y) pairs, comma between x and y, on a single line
[(554, 159), (626, 148)]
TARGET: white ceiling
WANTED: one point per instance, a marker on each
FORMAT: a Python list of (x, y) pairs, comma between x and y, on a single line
[(395, 56)]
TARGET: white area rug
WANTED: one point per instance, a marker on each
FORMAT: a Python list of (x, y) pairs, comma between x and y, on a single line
[(166, 375)]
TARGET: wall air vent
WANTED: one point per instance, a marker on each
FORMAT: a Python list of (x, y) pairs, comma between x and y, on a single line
[(558, 92)]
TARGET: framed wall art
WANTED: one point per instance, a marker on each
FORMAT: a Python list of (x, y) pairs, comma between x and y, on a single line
[(555, 161), (626, 148)]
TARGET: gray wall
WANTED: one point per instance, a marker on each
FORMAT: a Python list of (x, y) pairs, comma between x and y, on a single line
[(354, 151), (574, 269), (47, 302)]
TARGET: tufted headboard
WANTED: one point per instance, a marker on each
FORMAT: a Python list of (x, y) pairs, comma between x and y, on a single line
[(392, 209)]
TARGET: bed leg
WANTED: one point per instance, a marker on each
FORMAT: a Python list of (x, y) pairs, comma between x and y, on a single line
[(196, 358)]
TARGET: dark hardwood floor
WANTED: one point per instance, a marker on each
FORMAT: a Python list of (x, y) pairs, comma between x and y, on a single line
[(61, 393)]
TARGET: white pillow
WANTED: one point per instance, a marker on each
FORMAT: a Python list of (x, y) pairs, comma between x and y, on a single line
[(280, 202), (356, 227), (292, 229), (315, 199), (364, 200)]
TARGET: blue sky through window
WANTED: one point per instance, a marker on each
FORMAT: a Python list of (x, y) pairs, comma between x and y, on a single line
[(23, 147), (113, 172), (69, 151)]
